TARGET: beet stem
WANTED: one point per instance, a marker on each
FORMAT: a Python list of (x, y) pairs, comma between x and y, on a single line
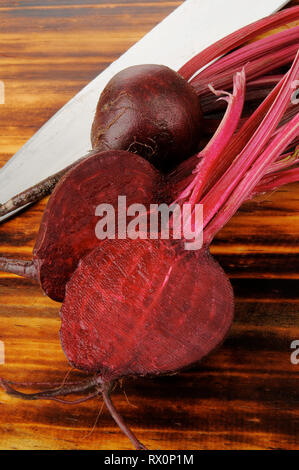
[(211, 153), (119, 420), (20, 267), (260, 49), (235, 39)]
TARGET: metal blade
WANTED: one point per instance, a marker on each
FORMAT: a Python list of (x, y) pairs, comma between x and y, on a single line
[(66, 136)]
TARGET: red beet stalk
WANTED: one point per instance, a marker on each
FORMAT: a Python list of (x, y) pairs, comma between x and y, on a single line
[(255, 68), (252, 163), (236, 39), (259, 57)]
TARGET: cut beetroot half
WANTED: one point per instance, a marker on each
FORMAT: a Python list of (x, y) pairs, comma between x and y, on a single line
[(144, 307), (67, 231)]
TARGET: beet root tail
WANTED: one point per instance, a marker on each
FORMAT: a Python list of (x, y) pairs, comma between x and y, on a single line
[(118, 419), (20, 267), (54, 393), (94, 384)]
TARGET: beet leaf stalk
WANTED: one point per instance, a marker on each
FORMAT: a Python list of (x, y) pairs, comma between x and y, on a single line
[(184, 173), (247, 170), (236, 39), (257, 159), (261, 57), (271, 61), (209, 157), (256, 90), (276, 180), (283, 171)]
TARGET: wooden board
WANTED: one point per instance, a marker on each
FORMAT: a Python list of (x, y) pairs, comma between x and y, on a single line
[(245, 395)]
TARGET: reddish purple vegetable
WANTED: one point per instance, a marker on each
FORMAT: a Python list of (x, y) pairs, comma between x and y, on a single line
[(149, 110), (145, 294), (67, 230)]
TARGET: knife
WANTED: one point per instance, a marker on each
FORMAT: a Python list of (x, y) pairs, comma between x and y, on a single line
[(66, 136)]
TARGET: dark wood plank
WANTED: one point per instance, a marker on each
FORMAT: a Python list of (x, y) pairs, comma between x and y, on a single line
[(245, 395)]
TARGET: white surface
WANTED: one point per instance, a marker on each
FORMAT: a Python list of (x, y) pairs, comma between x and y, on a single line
[(66, 136)]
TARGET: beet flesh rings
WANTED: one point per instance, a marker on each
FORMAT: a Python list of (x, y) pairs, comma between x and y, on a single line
[(67, 230), (149, 110), (139, 307)]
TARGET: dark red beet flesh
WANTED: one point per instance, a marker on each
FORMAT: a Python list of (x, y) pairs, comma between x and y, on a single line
[(163, 306), (149, 110), (67, 230)]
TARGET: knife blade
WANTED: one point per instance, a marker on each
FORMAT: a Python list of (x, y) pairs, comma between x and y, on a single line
[(66, 136)]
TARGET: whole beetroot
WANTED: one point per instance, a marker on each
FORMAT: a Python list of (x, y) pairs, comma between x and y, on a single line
[(150, 110)]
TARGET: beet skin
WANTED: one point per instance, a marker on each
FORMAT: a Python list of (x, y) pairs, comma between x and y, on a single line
[(149, 110)]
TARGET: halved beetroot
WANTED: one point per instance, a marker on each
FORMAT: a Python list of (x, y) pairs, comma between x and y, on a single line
[(67, 230), (144, 307)]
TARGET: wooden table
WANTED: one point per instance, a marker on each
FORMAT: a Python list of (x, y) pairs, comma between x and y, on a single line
[(245, 395)]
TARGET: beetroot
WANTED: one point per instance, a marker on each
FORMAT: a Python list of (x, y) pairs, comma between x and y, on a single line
[(67, 230), (165, 321), (149, 110)]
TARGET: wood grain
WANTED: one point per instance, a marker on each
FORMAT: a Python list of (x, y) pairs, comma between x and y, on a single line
[(245, 395)]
